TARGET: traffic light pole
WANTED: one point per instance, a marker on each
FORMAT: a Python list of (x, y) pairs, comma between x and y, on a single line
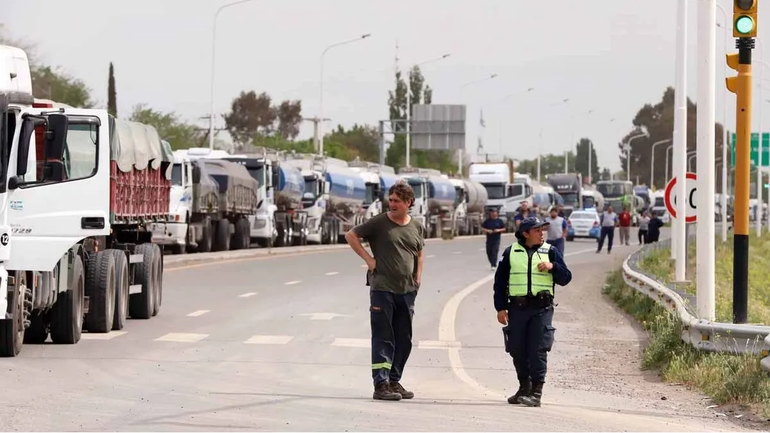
[(741, 86)]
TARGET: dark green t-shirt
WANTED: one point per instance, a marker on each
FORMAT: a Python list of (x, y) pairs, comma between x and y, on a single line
[(395, 248)]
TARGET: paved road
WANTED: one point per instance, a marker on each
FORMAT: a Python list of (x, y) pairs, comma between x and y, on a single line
[(281, 343)]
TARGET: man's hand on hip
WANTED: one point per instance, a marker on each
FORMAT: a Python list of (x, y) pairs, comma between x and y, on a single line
[(502, 317), (371, 263)]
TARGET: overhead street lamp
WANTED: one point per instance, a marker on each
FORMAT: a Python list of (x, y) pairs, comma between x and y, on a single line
[(652, 159), (409, 104), (628, 153), (321, 87), (213, 64)]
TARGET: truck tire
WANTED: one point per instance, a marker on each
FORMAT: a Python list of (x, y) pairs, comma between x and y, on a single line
[(122, 286), (100, 289), (157, 292), (140, 305), (222, 235), (66, 316), (241, 239), (37, 332), (12, 330)]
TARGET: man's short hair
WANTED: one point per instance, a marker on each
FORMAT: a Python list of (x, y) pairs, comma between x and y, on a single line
[(403, 191)]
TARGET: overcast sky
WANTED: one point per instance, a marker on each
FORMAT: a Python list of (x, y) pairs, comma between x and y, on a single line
[(611, 56)]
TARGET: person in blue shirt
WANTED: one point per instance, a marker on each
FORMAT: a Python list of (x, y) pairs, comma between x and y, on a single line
[(524, 290), (493, 227), (523, 212)]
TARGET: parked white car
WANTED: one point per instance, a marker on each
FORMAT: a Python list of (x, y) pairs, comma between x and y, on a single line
[(583, 224)]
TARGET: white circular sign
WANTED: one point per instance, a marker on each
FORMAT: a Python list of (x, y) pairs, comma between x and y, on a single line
[(691, 208)]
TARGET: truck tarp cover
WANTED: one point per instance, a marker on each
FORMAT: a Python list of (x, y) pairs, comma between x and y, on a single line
[(205, 191), (237, 189), (136, 145)]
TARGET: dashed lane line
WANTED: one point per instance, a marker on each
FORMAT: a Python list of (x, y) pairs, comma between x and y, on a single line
[(198, 313), (291, 283), (247, 295)]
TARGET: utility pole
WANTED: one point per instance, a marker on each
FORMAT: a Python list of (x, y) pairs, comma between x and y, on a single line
[(745, 30), (316, 139)]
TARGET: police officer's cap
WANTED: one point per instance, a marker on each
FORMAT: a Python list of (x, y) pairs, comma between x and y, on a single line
[(528, 224)]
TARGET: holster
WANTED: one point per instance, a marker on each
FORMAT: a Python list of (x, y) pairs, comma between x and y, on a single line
[(540, 300)]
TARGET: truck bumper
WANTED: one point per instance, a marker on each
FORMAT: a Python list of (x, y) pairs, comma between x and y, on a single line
[(4, 291), (260, 229), (168, 233)]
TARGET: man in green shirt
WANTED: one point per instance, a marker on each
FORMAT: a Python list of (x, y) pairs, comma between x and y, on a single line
[(394, 275)]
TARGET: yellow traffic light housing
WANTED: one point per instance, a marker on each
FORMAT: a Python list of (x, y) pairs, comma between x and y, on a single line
[(744, 18)]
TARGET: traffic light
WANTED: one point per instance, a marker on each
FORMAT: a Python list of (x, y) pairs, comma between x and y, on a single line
[(745, 18)]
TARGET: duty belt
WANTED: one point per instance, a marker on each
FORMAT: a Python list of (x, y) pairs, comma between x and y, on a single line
[(542, 299)]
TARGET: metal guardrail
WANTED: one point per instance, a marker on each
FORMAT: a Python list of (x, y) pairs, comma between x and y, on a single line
[(701, 334)]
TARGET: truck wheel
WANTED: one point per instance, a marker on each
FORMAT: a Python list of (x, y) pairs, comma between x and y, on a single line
[(66, 316), (37, 332), (100, 289), (12, 330), (241, 239), (222, 235), (140, 305), (122, 285), (157, 292)]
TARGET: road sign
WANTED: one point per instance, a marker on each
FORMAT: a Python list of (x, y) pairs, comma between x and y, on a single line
[(754, 149), (691, 187), (438, 127)]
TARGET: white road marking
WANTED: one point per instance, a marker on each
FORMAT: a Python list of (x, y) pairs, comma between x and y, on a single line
[(182, 337), (430, 256), (108, 336), (482, 249), (446, 332), (247, 295), (323, 316), (291, 283), (457, 252), (198, 313), (269, 339), (432, 344), (331, 273), (362, 343)]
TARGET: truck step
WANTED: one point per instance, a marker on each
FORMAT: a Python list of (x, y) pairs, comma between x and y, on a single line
[(134, 289)]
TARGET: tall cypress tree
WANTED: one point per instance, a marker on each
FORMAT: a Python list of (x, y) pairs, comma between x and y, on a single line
[(112, 103)]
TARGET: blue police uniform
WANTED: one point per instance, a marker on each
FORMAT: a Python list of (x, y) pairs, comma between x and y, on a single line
[(527, 295)]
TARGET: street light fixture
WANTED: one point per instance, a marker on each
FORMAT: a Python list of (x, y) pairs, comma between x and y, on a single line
[(628, 153), (321, 87), (652, 159)]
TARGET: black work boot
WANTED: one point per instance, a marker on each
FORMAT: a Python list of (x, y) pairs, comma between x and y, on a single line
[(397, 388), (525, 387), (533, 399), (382, 391)]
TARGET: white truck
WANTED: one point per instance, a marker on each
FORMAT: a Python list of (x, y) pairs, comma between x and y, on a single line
[(211, 201), (334, 195), (505, 191), (470, 199), (77, 192), (434, 198), (378, 180)]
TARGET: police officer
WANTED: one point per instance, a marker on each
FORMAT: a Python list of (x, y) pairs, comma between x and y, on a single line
[(523, 296)]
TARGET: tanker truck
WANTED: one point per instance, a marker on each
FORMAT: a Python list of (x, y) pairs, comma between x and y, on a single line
[(334, 195), (434, 198), (470, 199), (211, 203), (378, 179), (280, 195)]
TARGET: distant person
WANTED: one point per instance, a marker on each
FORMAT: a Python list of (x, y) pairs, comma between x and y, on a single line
[(394, 275), (560, 209), (624, 222), (644, 223), (557, 231), (653, 228), (523, 213), (609, 220), (493, 227)]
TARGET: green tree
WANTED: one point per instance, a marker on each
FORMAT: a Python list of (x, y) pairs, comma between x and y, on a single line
[(581, 159), (112, 97), (362, 141), (170, 128), (549, 164), (658, 121)]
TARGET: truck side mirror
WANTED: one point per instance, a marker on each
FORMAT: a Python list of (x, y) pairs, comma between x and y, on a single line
[(56, 137), (27, 129)]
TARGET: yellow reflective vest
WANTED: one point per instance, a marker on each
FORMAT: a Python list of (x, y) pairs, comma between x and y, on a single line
[(524, 270)]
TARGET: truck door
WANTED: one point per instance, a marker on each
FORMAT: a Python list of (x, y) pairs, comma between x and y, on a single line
[(58, 192)]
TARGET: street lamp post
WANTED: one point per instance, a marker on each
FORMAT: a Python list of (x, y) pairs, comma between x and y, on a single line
[(213, 65), (628, 154), (409, 105), (321, 89), (668, 152), (652, 159)]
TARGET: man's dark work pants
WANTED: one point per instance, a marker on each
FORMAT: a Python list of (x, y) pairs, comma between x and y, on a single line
[(493, 247), (609, 233), (391, 317), (530, 338)]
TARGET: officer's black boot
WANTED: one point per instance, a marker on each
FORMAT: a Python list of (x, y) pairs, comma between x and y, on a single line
[(533, 399), (525, 387)]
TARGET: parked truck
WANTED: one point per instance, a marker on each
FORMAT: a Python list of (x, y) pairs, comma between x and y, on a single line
[(470, 199), (505, 192), (79, 191), (211, 202), (334, 195), (569, 186), (378, 179), (434, 198)]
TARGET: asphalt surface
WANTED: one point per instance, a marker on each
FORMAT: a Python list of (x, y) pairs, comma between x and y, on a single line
[(282, 343)]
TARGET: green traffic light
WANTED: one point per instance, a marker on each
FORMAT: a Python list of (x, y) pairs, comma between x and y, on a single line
[(744, 24)]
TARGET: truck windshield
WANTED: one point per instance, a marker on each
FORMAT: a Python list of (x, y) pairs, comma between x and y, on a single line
[(660, 202), (517, 190), (588, 202), (258, 173), (417, 187), (176, 175), (495, 191), (570, 198), (370, 193)]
